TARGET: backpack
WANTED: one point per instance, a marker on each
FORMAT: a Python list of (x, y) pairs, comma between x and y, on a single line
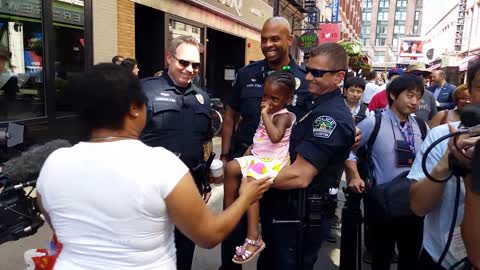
[(362, 113), (392, 198)]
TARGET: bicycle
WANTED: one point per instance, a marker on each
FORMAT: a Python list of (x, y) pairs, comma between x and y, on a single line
[(216, 114)]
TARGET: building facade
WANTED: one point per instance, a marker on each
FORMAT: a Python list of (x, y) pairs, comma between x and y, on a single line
[(384, 24), (351, 17), (454, 39)]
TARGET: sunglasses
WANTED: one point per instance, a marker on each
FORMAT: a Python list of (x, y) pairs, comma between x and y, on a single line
[(185, 63), (317, 73)]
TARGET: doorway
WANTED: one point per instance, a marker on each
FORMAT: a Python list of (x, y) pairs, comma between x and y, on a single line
[(225, 56)]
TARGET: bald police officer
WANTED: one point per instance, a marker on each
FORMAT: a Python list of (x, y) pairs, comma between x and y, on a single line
[(276, 38)]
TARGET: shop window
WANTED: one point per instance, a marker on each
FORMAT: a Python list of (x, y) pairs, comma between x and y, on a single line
[(379, 57), (22, 94), (69, 32)]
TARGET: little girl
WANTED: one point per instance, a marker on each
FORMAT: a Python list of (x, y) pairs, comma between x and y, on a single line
[(266, 157)]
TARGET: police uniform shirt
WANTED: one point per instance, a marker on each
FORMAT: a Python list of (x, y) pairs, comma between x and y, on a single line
[(177, 118), (324, 136), (248, 92)]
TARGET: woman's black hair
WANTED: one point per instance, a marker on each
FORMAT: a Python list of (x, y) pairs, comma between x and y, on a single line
[(129, 63), (406, 82), (284, 78), (103, 96), (356, 82)]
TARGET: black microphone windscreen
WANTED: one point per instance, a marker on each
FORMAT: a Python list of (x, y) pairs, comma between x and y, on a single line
[(470, 116), (27, 166)]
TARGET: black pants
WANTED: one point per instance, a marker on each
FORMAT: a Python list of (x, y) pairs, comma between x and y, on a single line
[(406, 232), (426, 262), (185, 249)]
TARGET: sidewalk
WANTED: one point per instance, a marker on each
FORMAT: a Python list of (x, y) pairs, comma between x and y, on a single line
[(11, 254)]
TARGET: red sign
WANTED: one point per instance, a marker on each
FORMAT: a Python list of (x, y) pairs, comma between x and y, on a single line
[(329, 32)]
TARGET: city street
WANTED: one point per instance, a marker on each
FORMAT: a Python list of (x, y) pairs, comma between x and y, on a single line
[(11, 254)]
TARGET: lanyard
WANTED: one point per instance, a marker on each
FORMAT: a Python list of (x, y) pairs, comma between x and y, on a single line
[(407, 132)]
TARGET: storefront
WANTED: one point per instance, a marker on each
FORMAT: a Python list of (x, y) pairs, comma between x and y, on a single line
[(230, 31), (43, 45)]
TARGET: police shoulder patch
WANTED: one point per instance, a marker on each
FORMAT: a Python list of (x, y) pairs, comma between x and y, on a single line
[(324, 126)]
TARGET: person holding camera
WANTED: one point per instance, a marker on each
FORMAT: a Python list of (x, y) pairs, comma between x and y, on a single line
[(112, 200), (436, 201)]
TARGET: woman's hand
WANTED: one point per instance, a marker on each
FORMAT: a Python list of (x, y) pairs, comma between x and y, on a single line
[(253, 190)]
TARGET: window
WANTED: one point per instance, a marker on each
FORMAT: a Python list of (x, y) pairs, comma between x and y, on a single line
[(384, 3), (382, 16), (399, 29), (380, 41), (381, 29), (417, 16), (400, 15), (69, 51), (367, 16), (415, 29), (22, 93), (365, 30), (402, 3), (367, 3), (395, 44), (379, 57), (366, 41)]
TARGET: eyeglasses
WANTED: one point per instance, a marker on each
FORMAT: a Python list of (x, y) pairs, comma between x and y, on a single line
[(185, 63), (317, 73)]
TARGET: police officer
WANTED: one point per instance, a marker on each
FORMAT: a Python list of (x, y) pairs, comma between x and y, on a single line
[(247, 93), (320, 143), (276, 38), (178, 118)]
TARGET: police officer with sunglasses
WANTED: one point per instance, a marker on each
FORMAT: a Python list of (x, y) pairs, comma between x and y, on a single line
[(244, 104), (178, 119), (320, 143)]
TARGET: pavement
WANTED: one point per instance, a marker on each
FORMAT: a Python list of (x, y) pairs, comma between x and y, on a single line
[(11, 254)]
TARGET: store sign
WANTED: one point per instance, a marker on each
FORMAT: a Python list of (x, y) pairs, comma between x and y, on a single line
[(329, 32), (308, 41), (249, 12), (335, 4), (33, 9)]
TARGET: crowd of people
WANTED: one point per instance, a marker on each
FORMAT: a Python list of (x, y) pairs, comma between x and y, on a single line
[(136, 193)]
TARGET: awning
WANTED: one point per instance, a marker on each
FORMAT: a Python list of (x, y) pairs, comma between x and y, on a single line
[(433, 67), (463, 64)]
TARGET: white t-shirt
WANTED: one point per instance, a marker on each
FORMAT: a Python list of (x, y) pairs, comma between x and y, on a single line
[(107, 206), (370, 90)]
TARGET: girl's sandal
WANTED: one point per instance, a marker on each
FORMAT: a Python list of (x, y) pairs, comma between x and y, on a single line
[(243, 255)]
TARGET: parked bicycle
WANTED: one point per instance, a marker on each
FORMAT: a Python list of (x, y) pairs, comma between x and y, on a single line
[(217, 115)]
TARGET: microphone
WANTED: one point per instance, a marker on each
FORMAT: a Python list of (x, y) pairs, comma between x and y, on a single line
[(26, 167)]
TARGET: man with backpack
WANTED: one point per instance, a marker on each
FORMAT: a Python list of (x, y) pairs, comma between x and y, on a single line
[(390, 139)]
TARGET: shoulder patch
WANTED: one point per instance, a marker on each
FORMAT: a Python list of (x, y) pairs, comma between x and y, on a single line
[(324, 126)]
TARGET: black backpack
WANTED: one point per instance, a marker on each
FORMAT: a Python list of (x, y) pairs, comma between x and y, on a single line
[(392, 198)]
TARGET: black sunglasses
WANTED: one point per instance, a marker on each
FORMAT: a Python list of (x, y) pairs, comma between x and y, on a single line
[(185, 63), (319, 72)]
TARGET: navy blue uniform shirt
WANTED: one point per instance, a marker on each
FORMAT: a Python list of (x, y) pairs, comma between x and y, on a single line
[(177, 118), (248, 92), (324, 137)]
